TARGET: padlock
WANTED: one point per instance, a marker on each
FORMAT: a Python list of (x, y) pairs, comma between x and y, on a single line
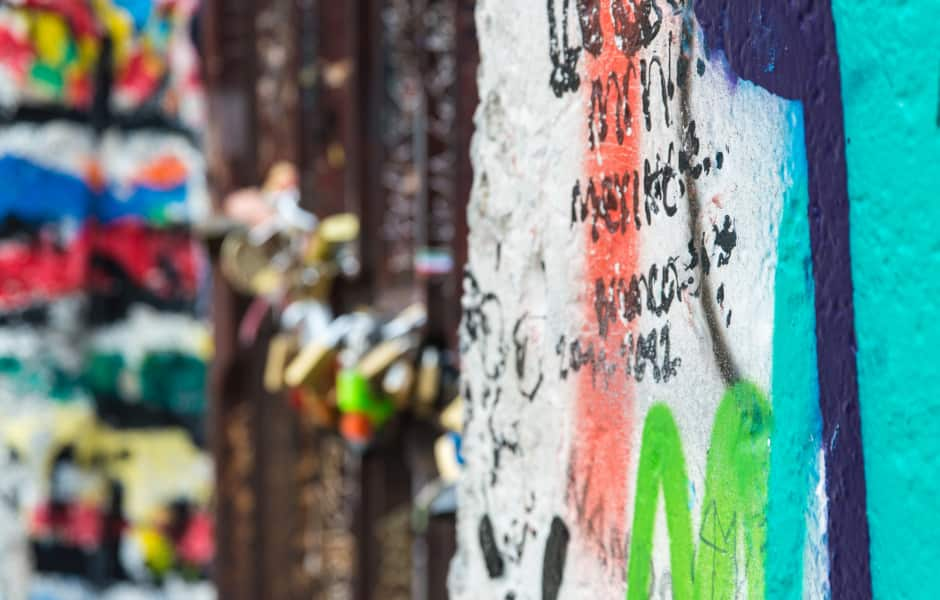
[(358, 336), (447, 457), (308, 318), (311, 366), (280, 350), (407, 321), (452, 417), (398, 383), (380, 358), (429, 381), (281, 176), (355, 395), (356, 428), (319, 408), (313, 282), (332, 233), (248, 265)]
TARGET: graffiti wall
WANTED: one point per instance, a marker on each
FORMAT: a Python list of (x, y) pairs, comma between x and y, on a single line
[(696, 283), (104, 344)]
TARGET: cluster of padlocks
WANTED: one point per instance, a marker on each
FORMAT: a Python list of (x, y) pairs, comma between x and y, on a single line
[(353, 372)]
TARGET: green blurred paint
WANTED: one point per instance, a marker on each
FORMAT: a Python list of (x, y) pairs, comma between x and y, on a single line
[(171, 381), (175, 382)]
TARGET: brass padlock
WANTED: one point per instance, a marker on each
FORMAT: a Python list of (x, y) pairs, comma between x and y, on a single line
[(452, 416), (282, 347), (407, 321), (399, 382), (312, 367), (429, 381), (250, 267), (447, 457), (332, 232), (319, 407), (380, 358)]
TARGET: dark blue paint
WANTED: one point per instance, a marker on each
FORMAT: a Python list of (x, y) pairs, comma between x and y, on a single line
[(789, 48)]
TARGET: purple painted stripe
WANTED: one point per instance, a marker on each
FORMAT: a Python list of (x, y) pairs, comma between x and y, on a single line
[(789, 48)]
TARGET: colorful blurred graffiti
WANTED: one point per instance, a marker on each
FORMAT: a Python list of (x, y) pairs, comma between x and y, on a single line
[(719, 328), (104, 346)]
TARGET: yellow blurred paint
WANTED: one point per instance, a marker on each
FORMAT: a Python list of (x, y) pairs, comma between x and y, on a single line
[(51, 37)]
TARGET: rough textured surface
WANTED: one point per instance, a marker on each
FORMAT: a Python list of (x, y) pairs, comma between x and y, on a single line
[(890, 80), (660, 315)]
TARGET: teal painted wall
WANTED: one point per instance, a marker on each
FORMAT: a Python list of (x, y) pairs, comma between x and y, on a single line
[(890, 61), (794, 384)]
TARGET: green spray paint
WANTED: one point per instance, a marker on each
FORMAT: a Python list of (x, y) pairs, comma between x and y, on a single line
[(734, 505), (889, 56)]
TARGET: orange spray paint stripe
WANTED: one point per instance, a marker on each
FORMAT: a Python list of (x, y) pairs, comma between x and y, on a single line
[(601, 449)]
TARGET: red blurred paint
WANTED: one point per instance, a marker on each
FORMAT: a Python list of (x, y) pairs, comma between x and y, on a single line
[(41, 270), (77, 525), (17, 53), (601, 449), (139, 249), (197, 547)]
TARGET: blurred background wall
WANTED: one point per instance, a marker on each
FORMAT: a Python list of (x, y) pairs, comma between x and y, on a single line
[(143, 457)]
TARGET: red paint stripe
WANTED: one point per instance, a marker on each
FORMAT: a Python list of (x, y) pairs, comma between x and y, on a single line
[(41, 269), (601, 448)]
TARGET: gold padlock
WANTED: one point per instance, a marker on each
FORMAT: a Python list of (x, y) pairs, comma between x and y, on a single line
[(398, 383), (311, 367), (332, 232), (452, 416), (445, 456), (248, 266), (429, 381), (280, 350), (319, 407), (407, 321), (380, 358)]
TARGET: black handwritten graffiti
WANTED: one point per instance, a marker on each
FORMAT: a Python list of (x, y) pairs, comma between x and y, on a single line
[(553, 560), (483, 327), (656, 186), (517, 541), (619, 299), (667, 87), (725, 240), (501, 442), (527, 362), (564, 57), (618, 200), (696, 254), (605, 205), (553, 563), (635, 27), (601, 103), (494, 560), (592, 36), (637, 356), (636, 24)]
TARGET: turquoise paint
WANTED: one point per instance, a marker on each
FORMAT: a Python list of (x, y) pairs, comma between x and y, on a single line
[(890, 56), (794, 388)]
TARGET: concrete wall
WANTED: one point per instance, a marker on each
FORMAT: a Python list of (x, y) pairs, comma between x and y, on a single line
[(696, 343)]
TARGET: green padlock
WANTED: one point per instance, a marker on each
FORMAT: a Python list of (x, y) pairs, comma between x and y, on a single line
[(354, 394)]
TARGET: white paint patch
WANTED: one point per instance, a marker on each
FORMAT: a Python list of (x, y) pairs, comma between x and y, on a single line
[(147, 331)]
